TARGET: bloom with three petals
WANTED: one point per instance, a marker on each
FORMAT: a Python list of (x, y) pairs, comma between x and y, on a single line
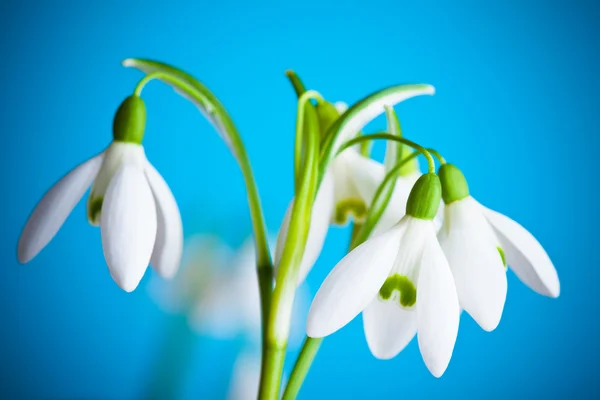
[(401, 281), (479, 243), (138, 217)]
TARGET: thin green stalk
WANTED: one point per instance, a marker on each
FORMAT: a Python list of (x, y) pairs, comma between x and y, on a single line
[(287, 273), (215, 112), (303, 363), (387, 136)]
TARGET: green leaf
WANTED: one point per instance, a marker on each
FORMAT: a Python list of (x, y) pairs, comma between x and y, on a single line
[(363, 112)]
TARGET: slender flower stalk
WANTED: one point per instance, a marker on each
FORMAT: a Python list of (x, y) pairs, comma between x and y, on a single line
[(215, 112), (287, 273)]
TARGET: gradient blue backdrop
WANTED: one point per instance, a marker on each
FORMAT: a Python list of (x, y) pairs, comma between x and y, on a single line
[(516, 107)]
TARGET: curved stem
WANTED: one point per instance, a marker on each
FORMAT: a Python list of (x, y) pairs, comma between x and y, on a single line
[(309, 351), (192, 88), (387, 136), (311, 346), (216, 113), (380, 202), (437, 155)]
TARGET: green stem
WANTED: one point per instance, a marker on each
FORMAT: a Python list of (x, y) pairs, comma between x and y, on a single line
[(270, 375), (218, 115), (437, 155), (387, 136), (310, 347), (303, 363), (287, 274), (380, 202)]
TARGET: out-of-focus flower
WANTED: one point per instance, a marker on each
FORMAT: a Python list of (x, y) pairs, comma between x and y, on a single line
[(217, 288), (245, 377), (139, 219)]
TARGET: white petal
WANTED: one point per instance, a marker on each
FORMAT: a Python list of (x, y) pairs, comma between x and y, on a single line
[(117, 154), (54, 208), (469, 245), (525, 255), (168, 247), (388, 327), (437, 309), (128, 226), (366, 173), (353, 283), (319, 225), (245, 377)]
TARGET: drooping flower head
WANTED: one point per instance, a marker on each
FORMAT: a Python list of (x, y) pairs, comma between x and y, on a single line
[(138, 217), (401, 282), (479, 244)]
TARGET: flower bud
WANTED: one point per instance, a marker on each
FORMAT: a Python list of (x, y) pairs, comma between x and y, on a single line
[(454, 184), (130, 121), (424, 199), (328, 114)]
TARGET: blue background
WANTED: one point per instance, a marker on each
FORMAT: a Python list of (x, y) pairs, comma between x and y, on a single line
[(516, 108)]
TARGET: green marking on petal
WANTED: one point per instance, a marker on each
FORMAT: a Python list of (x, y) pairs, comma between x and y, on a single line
[(502, 256), (404, 286), (344, 208), (94, 208)]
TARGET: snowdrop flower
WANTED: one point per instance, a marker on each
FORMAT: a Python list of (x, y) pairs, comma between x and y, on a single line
[(245, 378), (137, 213), (346, 191), (401, 282), (479, 243), (217, 288)]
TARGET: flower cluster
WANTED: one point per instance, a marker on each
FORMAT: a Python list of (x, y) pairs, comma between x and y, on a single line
[(422, 248)]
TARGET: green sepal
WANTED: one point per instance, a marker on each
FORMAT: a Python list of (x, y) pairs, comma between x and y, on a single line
[(130, 121), (425, 196), (454, 184)]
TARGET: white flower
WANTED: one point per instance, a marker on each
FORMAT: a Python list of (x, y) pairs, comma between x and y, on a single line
[(472, 252), (478, 243), (524, 254), (349, 186), (245, 377), (402, 283), (217, 287), (137, 213)]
